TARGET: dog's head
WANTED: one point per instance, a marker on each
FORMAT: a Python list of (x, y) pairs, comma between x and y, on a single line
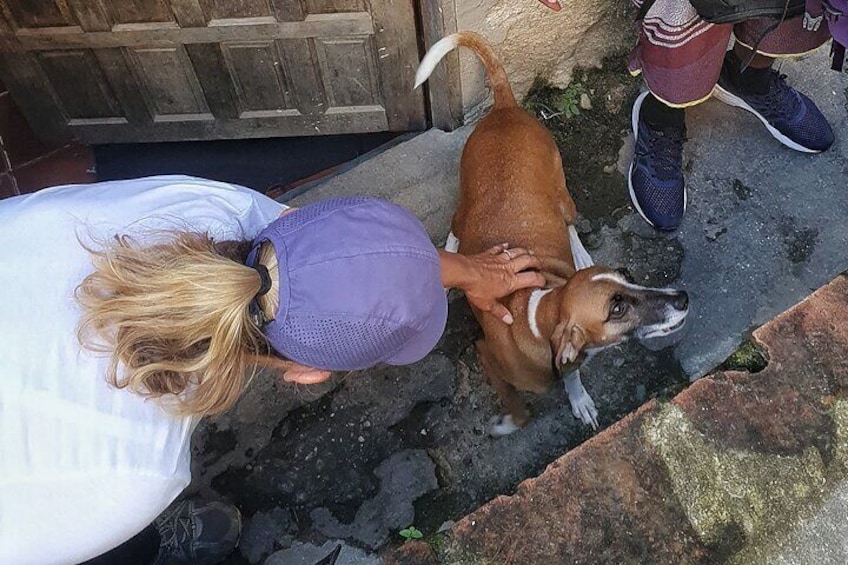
[(600, 307)]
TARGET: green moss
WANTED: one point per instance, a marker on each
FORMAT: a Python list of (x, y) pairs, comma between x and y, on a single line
[(740, 502), (749, 357), (438, 542)]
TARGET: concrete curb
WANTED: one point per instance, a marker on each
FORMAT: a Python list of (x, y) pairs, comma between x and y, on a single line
[(420, 174), (725, 472)]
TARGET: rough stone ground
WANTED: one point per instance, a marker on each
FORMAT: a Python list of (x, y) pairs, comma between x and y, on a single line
[(354, 459)]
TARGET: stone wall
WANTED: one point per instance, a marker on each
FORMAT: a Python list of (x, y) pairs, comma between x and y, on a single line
[(531, 40)]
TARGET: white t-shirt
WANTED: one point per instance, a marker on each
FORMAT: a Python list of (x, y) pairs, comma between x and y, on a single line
[(85, 466)]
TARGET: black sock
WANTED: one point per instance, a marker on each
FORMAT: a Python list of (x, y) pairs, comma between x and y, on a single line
[(752, 81), (659, 116)]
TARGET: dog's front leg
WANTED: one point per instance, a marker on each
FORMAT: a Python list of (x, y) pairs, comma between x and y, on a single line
[(515, 415), (582, 405)]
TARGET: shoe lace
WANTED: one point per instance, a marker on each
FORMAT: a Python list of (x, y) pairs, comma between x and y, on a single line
[(779, 100), (665, 148), (176, 535)]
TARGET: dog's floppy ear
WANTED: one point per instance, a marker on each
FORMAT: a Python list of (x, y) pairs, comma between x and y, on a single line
[(567, 343)]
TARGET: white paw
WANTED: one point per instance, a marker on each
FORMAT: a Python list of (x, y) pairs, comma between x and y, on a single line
[(583, 408), (501, 425), (582, 405)]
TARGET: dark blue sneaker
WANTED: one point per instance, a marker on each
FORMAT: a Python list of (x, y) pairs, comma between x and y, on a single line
[(790, 117), (655, 179)]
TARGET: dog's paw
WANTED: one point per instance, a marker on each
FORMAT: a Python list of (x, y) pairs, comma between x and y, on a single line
[(501, 425), (583, 408)]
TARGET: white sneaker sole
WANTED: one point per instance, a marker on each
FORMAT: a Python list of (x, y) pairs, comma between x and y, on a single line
[(733, 100), (634, 121)]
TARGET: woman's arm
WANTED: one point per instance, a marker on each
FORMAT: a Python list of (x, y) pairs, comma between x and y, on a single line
[(489, 276)]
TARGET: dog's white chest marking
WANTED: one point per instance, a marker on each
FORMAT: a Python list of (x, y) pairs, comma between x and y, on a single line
[(582, 259), (452, 244), (532, 306)]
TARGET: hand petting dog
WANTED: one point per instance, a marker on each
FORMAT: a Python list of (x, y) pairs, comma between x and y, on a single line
[(489, 276)]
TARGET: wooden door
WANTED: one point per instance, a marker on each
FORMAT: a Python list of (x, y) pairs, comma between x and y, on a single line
[(106, 71)]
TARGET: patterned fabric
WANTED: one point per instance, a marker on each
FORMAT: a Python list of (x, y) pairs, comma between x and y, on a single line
[(680, 55)]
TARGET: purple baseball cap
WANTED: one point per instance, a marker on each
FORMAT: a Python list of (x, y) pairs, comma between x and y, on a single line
[(360, 284)]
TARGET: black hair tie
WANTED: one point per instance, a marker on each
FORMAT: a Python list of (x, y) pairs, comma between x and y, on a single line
[(266, 280)]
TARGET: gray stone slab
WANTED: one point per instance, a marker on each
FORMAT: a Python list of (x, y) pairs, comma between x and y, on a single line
[(266, 531), (309, 554), (765, 225), (420, 174), (404, 477)]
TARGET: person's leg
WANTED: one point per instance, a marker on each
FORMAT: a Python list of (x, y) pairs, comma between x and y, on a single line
[(679, 56), (748, 82), (187, 532), (141, 549)]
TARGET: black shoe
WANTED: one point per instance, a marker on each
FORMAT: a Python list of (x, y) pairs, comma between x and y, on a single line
[(200, 534)]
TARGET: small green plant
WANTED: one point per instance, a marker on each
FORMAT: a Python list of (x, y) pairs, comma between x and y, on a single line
[(411, 533), (548, 102), (568, 101)]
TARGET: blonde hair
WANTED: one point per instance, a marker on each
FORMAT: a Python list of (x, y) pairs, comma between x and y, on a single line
[(176, 314)]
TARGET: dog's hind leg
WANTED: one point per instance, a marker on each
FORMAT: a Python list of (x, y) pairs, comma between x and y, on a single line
[(515, 412), (582, 405)]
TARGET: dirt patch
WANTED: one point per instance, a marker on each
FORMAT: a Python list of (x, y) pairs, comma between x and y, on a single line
[(798, 244), (589, 139)]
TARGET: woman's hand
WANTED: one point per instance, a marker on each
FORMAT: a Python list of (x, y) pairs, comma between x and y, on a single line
[(489, 276)]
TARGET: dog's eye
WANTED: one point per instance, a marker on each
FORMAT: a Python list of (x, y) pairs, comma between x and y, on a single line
[(618, 307)]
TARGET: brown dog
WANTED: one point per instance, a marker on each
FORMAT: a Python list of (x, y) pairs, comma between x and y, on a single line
[(512, 188)]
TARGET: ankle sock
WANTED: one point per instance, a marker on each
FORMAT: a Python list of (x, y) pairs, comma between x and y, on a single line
[(751, 80), (659, 116)]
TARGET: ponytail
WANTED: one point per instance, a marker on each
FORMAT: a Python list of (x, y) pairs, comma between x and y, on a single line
[(175, 318)]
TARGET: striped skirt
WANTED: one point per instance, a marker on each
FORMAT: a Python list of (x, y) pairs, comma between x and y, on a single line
[(680, 55)]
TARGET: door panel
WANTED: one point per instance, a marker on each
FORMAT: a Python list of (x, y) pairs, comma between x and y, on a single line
[(161, 70)]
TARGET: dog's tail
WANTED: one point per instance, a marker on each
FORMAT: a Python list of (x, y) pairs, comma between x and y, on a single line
[(497, 77)]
